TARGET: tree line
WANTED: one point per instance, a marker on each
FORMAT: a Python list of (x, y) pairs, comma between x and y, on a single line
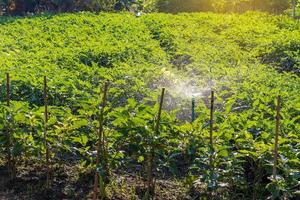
[(273, 6), (21, 7)]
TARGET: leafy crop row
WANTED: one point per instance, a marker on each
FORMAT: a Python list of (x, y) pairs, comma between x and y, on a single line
[(247, 59)]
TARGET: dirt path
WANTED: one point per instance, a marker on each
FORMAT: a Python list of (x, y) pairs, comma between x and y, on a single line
[(6, 196)]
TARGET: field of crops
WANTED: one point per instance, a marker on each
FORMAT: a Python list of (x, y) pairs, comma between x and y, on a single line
[(248, 60)]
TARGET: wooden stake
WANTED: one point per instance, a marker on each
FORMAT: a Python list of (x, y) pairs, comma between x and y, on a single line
[(276, 137), (211, 165), (159, 110), (45, 133), (100, 143), (8, 146), (211, 119), (150, 179), (7, 89)]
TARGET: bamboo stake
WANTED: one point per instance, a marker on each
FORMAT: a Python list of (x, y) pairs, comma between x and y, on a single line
[(211, 119), (276, 137), (8, 146), (7, 89), (151, 182), (100, 143), (45, 133), (159, 110), (211, 165)]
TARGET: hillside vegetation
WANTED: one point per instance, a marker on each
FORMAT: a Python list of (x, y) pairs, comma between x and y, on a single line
[(248, 60)]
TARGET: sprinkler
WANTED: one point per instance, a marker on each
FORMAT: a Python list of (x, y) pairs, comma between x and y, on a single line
[(138, 14), (193, 109)]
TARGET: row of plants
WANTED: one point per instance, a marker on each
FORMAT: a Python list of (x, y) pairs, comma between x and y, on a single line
[(247, 59), (242, 155)]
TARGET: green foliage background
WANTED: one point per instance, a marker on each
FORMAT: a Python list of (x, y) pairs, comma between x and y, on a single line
[(247, 59)]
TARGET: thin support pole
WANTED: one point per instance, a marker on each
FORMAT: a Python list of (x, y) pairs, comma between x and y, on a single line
[(294, 5), (7, 89), (211, 119), (100, 142), (45, 133), (8, 145), (150, 179), (159, 110), (211, 147), (193, 109), (276, 137)]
